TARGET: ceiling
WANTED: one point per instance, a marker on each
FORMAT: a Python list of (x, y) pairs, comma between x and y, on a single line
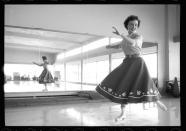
[(55, 28), (45, 40)]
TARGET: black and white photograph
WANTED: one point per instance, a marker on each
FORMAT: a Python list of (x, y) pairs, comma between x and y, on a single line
[(92, 65)]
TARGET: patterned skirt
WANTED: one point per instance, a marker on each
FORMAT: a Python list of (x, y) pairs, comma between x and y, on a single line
[(46, 77), (130, 82)]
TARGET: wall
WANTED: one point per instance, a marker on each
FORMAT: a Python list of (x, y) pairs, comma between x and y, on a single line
[(174, 47)]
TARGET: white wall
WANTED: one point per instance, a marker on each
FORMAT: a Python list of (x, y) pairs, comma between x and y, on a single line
[(174, 47)]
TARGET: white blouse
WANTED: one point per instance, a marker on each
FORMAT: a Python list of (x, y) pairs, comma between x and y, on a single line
[(133, 47)]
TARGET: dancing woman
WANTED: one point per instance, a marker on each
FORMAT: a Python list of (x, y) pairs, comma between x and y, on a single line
[(46, 76), (130, 82)]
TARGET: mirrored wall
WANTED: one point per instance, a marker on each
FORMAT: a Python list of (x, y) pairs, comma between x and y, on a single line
[(78, 62)]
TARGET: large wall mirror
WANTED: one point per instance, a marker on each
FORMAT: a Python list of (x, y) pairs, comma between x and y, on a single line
[(78, 61)]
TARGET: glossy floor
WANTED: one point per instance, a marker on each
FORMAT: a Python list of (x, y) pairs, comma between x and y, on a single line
[(34, 86), (95, 114)]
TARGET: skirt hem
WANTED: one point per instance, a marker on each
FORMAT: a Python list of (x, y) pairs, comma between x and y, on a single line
[(128, 99)]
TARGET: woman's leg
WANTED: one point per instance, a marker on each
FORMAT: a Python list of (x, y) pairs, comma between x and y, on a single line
[(161, 105), (45, 87), (144, 108), (122, 115)]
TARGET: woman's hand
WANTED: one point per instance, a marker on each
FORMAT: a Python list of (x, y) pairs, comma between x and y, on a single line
[(116, 31)]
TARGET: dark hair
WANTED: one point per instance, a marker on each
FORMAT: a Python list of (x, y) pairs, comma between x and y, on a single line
[(131, 18), (44, 57)]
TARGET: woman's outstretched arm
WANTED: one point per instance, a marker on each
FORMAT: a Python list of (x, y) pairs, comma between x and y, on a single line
[(115, 46), (118, 45), (37, 64), (135, 38)]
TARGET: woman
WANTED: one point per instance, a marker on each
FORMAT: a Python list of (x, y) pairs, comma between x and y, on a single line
[(46, 76), (130, 82)]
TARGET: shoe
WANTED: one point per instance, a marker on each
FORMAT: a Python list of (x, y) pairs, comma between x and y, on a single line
[(120, 118), (162, 106), (45, 90)]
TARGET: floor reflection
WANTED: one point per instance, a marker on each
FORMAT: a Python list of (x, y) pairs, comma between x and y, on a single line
[(34, 86), (95, 114)]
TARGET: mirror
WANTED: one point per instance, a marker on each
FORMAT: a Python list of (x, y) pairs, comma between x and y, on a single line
[(77, 61)]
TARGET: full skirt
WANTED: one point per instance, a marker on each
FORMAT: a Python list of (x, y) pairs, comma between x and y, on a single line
[(46, 77), (130, 82)]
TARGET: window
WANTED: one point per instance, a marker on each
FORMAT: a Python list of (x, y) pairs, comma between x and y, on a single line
[(89, 72), (116, 63), (59, 72), (95, 69), (22, 70), (117, 59), (151, 62), (73, 71), (23, 77), (102, 70)]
